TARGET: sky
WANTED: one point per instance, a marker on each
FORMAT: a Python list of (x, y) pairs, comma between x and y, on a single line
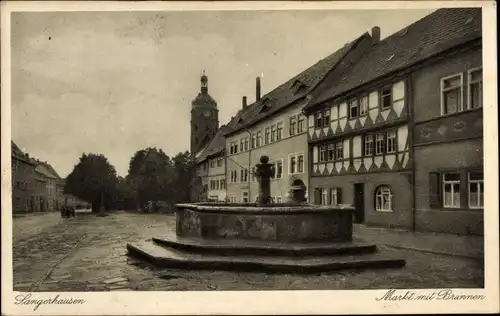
[(116, 82)]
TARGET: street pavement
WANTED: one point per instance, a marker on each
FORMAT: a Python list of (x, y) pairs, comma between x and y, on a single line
[(88, 253)]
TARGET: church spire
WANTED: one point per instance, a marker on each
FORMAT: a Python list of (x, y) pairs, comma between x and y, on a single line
[(204, 83)]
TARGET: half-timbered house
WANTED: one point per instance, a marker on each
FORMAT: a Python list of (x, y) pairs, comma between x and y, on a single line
[(362, 127)]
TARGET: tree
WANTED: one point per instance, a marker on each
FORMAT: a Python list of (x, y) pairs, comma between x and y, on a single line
[(92, 179), (151, 175), (184, 164)]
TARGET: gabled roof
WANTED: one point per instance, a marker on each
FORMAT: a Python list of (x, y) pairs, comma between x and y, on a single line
[(18, 154), (437, 32), (288, 93), (51, 169), (215, 146)]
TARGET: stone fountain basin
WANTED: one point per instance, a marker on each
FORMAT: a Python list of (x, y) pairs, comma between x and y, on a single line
[(277, 222)]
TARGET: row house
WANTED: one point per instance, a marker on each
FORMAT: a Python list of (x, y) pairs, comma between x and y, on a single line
[(275, 126), (34, 184), (23, 181), (399, 135)]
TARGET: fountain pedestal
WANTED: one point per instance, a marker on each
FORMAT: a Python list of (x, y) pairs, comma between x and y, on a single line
[(294, 236)]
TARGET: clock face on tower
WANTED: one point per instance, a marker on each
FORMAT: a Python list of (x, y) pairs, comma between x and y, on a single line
[(206, 113)]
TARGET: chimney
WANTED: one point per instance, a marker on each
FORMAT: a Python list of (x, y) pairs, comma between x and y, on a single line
[(375, 35), (244, 102), (257, 89)]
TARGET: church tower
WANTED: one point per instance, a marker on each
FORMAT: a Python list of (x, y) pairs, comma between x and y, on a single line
[(204, 117)]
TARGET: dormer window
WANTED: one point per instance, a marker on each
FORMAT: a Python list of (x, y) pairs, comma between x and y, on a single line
[(298, 86)]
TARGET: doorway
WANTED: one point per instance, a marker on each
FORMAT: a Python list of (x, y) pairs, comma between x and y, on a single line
[(359, 203)]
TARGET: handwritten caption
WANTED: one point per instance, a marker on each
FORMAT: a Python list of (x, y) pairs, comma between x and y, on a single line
[(439, 295), (26, 299)]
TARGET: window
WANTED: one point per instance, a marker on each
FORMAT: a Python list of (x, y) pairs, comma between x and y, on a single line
[(339, 150), (296, 162), (451, 94), (319, 120), (219, 162), (244, 175), (293, 164), (475, 88), (391, 142), (386, 98), (322, 153), (247, 141), (267, 135), (259, 138), (242, 144), (451, 189), (234, 176), (331, 152), (383, 199), (476, 190), (222, 184), (301, 163), (279, 169), (326, 118), (278, 199), (324, 196), (232, 199), (363, 105), (279, 131), (353, 108), (254, 141), (379, 144), (293, 125), (273, 133), (368, 145), (301, 124), (335, 196), (244, 198)]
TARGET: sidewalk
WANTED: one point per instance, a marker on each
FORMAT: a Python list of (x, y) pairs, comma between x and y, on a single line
[(445, 244)]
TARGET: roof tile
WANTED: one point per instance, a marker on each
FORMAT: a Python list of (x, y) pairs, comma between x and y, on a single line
[(431, 35)]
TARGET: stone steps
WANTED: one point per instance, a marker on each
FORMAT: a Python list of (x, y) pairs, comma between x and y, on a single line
[(235, 247), (168, 257)]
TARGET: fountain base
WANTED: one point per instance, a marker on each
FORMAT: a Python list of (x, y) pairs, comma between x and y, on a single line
[(229, 256)]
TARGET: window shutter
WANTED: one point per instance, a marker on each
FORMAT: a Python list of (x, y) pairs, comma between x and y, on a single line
[(464, 189), (434, 190), (317, 196), (339, 195)]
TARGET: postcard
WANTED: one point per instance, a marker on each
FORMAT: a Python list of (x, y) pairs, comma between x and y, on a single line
[(181, 158)]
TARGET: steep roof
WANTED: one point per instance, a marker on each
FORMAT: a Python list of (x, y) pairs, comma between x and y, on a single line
[(429, 36), (291, 91), (51, 169), (18, 154), (215, 146)]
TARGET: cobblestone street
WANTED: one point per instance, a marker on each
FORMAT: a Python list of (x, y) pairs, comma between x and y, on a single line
[(88, 253)]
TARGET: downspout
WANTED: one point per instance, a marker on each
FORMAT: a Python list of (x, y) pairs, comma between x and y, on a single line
[(412, 150), (250, 164), (225, 171)]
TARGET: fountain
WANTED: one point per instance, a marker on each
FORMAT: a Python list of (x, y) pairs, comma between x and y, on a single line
[(288, 237)]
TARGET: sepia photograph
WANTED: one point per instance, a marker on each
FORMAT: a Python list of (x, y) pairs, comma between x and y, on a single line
[(232, 150)]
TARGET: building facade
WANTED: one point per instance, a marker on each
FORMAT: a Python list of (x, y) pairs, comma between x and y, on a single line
[(23, 182), (399, 135), (48, 183), (283, 139), (448, 150), (275, 126)]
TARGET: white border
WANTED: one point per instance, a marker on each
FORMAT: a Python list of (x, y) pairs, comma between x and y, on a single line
[(269, 302)]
